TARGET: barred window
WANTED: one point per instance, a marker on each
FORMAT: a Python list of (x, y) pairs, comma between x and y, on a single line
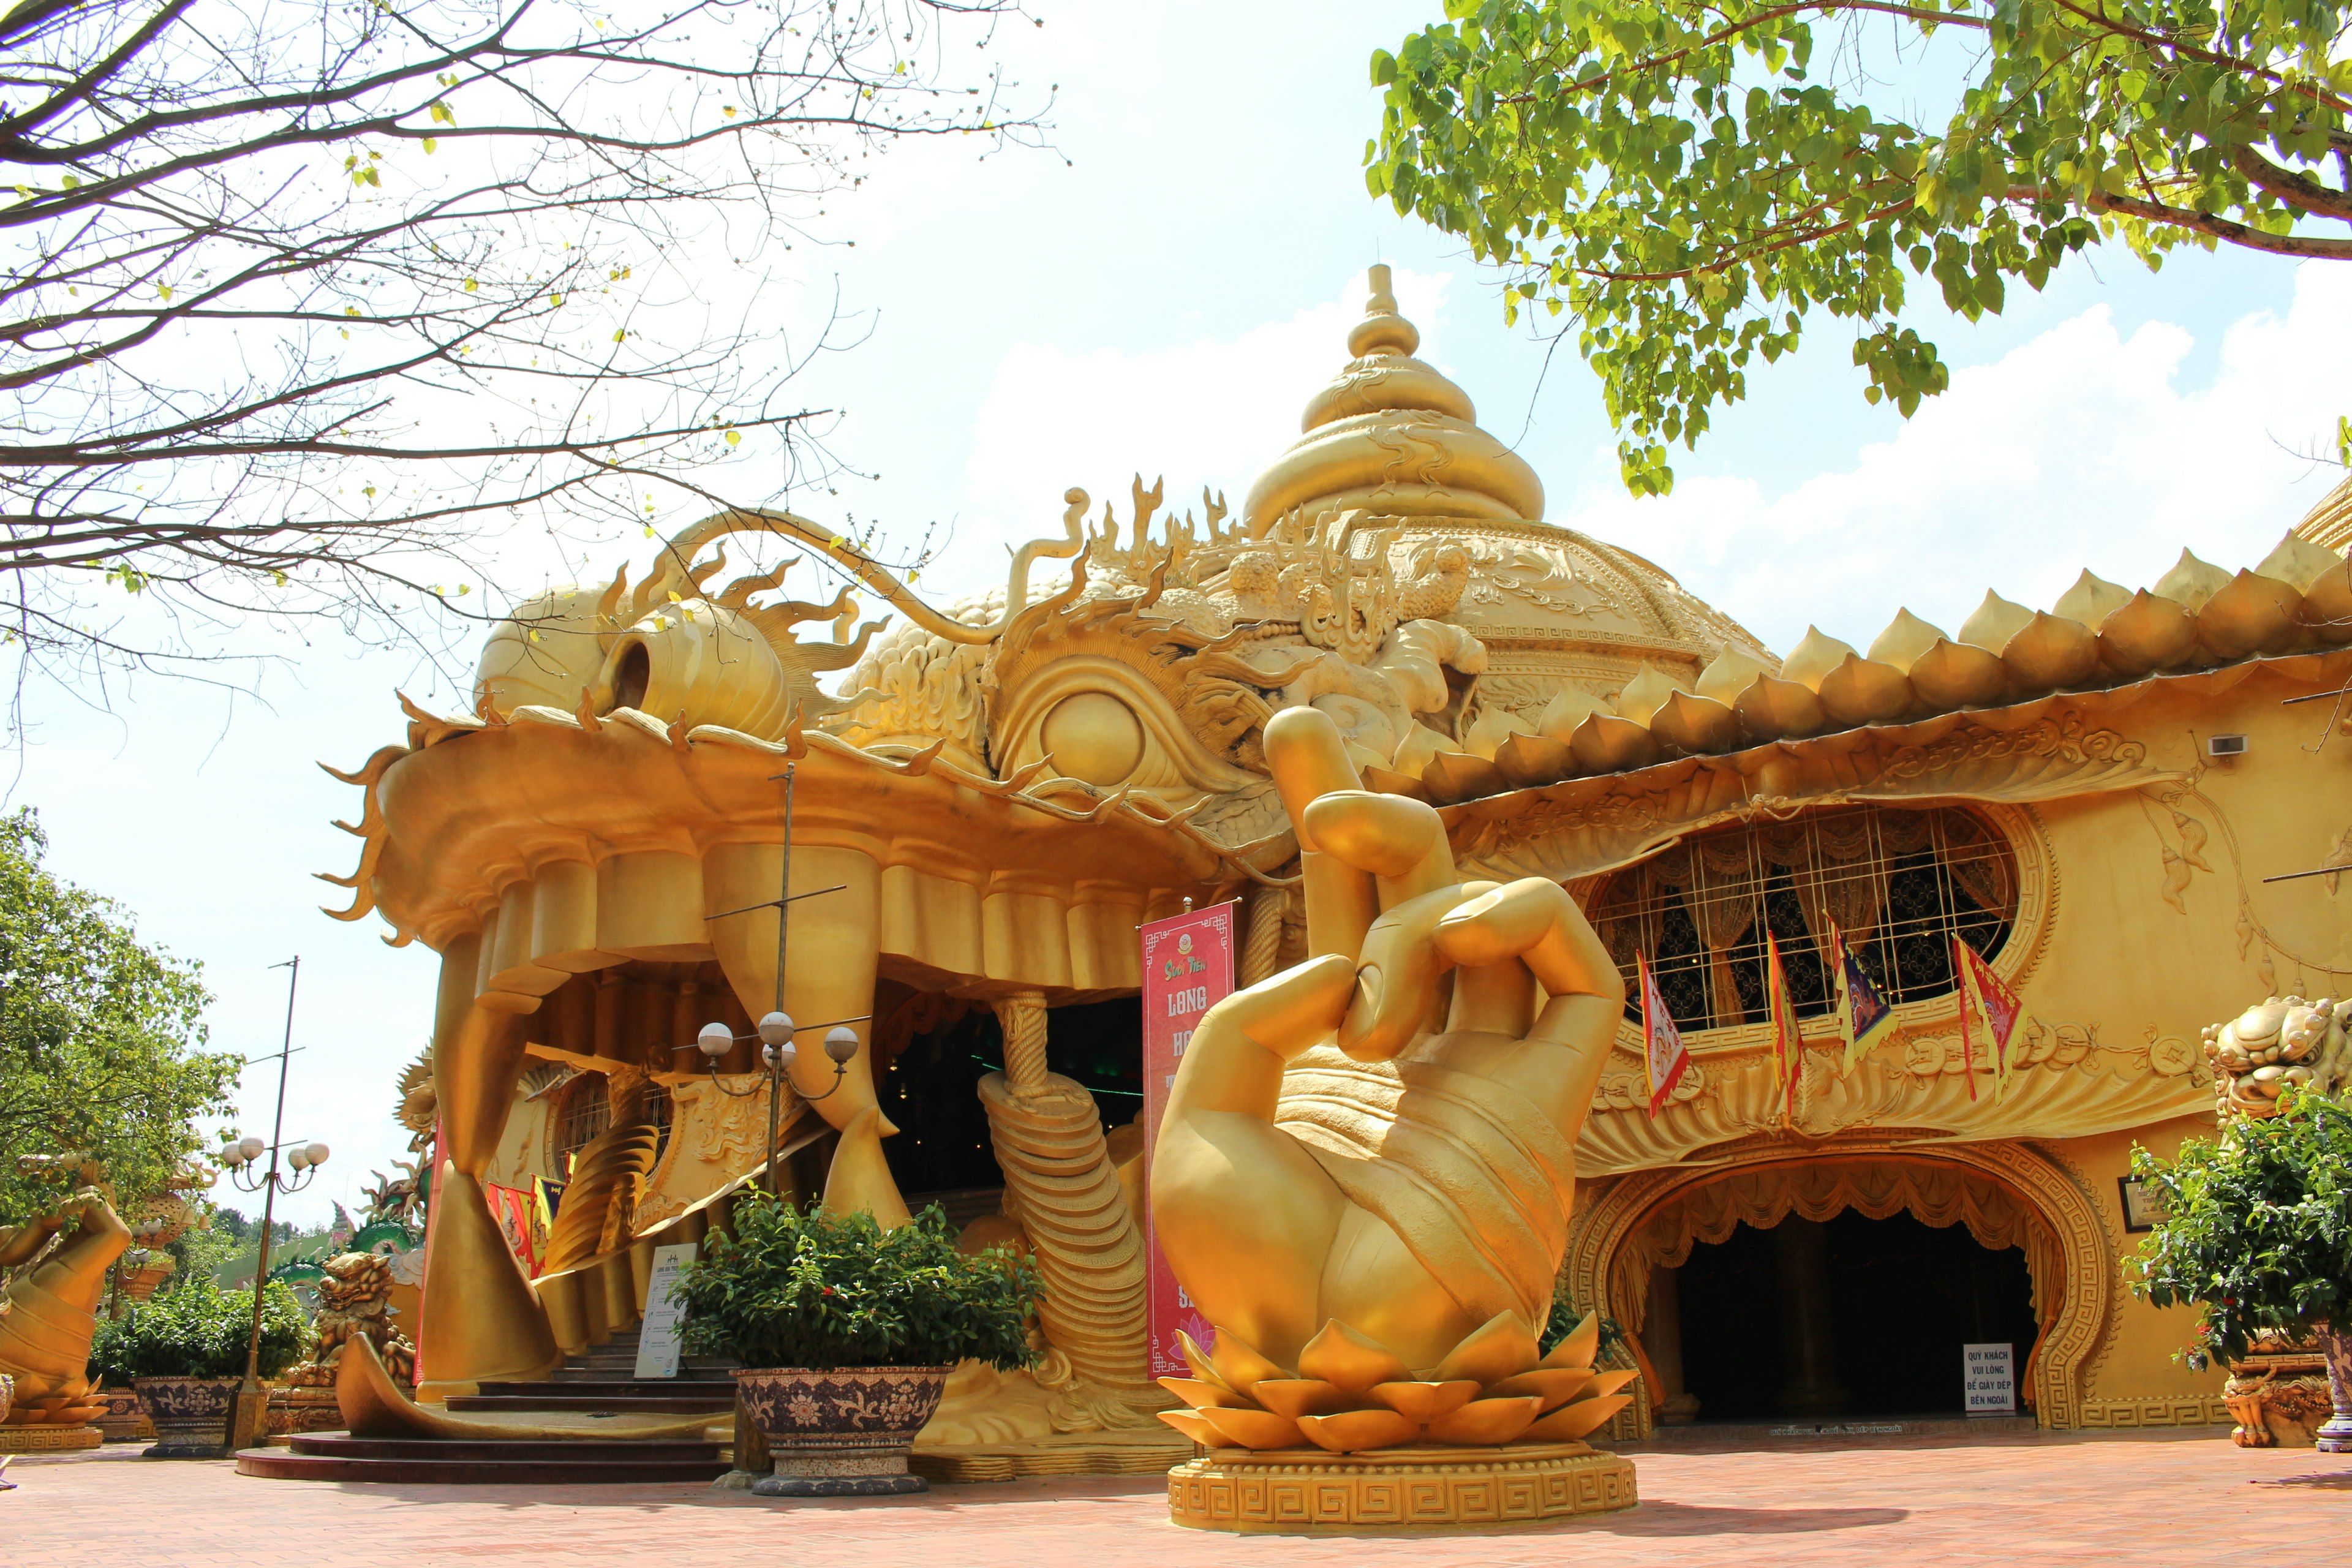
[(1899, 883), (580, 1118)]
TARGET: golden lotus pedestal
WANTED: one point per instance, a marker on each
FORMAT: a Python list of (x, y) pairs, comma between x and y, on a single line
[(1306, 1492)]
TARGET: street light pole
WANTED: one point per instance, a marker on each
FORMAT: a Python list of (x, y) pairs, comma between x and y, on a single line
[(248, 1425)]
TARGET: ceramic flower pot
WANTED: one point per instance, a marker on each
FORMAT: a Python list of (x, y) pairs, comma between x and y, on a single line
[(121, 1414), (2335, 1436), (842, 1433), (190, 1414)]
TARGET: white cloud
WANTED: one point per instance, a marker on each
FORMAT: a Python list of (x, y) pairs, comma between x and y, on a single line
[(2079, 448)]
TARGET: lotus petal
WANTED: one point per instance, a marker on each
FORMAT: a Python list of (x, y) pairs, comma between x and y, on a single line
[(1570, 1422), (1299, 1396), (1491, 729), (2251, 615), (1529, 760), (1605, 743), (1994, 622), (1813, 656), (2050, 652), (2092, 599), (1906, 636), (1458, 775), (1570, 707), (1204, 1365), (1201, 1393), (1772, 709), (1688, 726), (1238, 1365), (1864, 692), (1500, 1346), (1953, 675), (2327, 604), (1645, 694), (1609, 1382), (2147, 634), (1485, 1421), (1555, 1387), (1727, 675), (1192, 1427), (1338, 1354), (1253, 1428), (2191, 582), (2298, 562), (1425, 1400), (1353, 1431), (1383, 780), (1419, 744), (1582, 1344)]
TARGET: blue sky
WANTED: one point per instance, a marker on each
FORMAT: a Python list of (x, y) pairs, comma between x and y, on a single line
[(1165, 301)]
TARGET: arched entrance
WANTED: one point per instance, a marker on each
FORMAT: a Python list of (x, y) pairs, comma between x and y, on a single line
[(2004, 1195)]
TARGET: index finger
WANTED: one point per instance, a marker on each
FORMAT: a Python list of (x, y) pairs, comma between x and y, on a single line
[(1308, 760)]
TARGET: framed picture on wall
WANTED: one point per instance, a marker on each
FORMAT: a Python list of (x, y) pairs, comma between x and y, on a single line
[(2143, 1204)]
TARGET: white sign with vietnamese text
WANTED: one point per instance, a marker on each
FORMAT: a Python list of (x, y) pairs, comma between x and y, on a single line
[(658, 1344), (1988, 1382)]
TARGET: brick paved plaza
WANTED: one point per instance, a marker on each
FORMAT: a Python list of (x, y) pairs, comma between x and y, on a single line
[(2184, 1502)]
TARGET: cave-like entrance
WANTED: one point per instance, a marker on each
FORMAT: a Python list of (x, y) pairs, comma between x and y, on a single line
[(1632, 1228), (1850, 1316), (932, 1053)]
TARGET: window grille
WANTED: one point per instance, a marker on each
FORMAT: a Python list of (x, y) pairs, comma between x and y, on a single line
[(585, 1113), (1899, 883)]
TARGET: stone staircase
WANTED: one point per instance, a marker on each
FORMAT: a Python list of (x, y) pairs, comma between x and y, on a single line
[(603, 1382)]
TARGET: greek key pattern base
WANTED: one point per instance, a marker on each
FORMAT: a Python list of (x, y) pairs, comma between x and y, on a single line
[(1292, 1493), (48, 1439), (2193, 1410)]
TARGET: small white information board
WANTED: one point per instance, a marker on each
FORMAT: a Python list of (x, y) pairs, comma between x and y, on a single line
[(1987, 1381), (658, 1344)]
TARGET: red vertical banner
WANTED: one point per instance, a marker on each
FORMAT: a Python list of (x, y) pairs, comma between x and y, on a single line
[(1188, 968)]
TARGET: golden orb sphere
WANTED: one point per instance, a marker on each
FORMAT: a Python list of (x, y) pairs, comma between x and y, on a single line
[(1094, 736)]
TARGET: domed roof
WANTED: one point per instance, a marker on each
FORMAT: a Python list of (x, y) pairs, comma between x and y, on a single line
[(1394, 437)]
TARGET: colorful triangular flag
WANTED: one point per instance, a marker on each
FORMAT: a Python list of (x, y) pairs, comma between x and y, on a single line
[(1661, 1043), (1999, 1007), (1863, 1013), (1788, 1040)]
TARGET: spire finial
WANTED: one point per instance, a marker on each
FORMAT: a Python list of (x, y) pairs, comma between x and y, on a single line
[(1382, 329)]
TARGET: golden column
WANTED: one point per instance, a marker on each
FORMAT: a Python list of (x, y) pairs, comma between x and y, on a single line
[(481, 1322)]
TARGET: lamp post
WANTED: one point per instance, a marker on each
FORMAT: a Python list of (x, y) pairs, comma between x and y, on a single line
[(247, 1424), (775, 1029)]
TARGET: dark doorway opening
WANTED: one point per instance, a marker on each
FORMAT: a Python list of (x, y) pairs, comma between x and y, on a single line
[(1880, 1307), (931, 1090)]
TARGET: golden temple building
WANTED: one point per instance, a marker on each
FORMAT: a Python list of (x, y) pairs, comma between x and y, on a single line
[(987, 800)]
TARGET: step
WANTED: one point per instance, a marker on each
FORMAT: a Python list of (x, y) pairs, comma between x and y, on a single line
[(719, 1388), (1841, 1428), (687, 1404), (520, 1463), (342, 1445)]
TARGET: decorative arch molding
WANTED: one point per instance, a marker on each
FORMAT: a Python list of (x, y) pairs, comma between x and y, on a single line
[(2073, 1260)]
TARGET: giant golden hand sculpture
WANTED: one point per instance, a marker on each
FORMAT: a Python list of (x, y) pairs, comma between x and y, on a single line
[(51, 1313), (1364, 1171)]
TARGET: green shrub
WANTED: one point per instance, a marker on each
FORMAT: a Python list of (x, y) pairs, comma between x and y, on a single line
[(194, 1329), (817, 1289), (2258, 1227)]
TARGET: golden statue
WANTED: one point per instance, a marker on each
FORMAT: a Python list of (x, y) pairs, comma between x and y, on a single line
[(1364, 1174), (354, 1303), (49, 1316), (2277, 1045)]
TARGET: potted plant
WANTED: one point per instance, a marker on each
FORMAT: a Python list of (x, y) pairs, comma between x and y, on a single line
[(846, 1333), (184, 1350), (2257, 1234)]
